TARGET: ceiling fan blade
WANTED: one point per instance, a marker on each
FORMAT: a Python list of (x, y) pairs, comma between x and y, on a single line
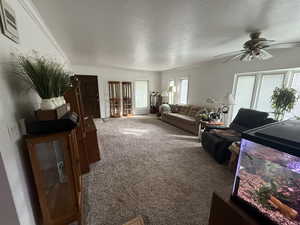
[(229, 54), (265, 55), (234, 57), (246, 57), (284, 45), (263, 43)]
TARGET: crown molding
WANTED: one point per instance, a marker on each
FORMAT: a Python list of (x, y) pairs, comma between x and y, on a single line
[(33, 12)]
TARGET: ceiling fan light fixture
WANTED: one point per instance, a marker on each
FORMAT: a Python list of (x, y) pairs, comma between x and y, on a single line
[(255, 49)]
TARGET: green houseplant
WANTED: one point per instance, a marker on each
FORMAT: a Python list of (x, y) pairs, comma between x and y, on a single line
[(283, 100), (48, 78)]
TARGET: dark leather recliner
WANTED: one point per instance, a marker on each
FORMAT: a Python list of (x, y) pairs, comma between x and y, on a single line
[(216, 140)]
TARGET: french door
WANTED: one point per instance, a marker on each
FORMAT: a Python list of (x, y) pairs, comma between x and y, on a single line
[(141, 93)]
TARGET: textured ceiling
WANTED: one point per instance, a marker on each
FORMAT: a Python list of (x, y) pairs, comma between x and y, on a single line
[(163, 34)]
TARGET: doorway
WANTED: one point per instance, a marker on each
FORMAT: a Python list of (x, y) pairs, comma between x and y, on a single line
[(141, 93), (90, 95)]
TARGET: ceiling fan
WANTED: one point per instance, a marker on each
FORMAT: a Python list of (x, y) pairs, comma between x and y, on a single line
[(256, 48)]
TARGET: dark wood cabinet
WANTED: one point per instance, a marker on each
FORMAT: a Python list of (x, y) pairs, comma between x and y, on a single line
[(92, 141), (55, 165), (58, 160), (86, 132), (73, 97), (90, 95)]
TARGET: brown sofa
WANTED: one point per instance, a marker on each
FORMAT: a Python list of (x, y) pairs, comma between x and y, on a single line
[(185, 117)]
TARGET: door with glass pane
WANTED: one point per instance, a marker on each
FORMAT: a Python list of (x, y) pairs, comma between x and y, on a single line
[(141, 93)]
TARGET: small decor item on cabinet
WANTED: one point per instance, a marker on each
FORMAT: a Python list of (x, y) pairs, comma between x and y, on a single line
[(55, 169), (48, 78), (8, 21)]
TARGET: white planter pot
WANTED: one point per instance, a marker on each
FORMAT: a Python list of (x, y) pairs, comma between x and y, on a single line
[(55, 102), (47, 104), (62, 99)]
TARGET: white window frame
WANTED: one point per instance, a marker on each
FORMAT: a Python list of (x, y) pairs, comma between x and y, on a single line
[(179, 89), (288, 74), (172, 96)]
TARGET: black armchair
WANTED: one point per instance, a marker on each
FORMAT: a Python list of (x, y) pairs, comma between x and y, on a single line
[(216, 140)]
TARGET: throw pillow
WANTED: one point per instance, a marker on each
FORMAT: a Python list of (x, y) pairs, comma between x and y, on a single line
[(186, 109), (174, 108), (181, 109), (194, 111)]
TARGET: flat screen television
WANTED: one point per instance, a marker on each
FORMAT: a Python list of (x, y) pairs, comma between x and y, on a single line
[(267, 180)]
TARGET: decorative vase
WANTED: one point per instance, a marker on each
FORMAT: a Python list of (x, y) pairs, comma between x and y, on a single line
[(47, 104)]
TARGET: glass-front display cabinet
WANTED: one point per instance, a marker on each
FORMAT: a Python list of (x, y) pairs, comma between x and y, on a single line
[(54, 161)]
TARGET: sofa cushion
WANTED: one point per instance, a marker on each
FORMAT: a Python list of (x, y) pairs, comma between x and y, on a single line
[(195, 111), (184, 109), (186, 118)]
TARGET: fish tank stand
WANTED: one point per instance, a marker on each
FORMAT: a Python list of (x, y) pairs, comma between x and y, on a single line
[(225, 211)]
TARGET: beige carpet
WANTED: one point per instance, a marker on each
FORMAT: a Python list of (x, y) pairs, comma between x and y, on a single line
[(152, 169)]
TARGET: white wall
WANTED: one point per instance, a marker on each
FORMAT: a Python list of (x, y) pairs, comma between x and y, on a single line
[(106, 74), (215, 79), (16, 103)]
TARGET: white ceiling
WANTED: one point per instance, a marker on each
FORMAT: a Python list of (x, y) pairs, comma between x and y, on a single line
[(158, 35)]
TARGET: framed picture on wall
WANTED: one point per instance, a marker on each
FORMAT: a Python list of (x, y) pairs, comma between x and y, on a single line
[(8, 21)]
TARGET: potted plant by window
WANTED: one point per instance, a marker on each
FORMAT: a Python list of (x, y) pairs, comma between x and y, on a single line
[(46, 77), (283, 100)]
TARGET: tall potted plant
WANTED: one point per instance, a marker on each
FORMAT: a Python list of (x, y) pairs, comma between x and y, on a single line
[(283, 100), (46, 77)]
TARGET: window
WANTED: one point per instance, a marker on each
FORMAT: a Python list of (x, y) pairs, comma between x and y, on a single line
[(172, 90), (268, 84), (296, 85), (184, 85), (243, 93), (254, 90)]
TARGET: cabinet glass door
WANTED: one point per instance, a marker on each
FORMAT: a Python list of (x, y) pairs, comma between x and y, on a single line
[(56, 178)]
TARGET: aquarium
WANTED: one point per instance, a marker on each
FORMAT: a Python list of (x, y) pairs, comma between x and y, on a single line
[(267, 181)]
